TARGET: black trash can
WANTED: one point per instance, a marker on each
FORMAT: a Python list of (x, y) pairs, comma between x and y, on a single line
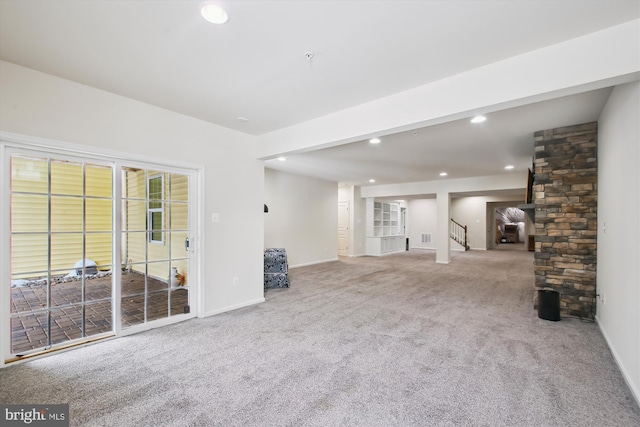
[(549, 305)]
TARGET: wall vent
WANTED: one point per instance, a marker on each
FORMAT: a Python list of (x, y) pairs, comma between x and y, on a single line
[(426, 238)]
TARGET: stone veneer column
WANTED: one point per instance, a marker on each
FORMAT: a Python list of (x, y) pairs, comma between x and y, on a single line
[(566, 202)]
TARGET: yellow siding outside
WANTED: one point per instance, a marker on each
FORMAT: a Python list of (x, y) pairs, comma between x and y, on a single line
[(30, 213), (176, 218), (30, 201), (28, 174)]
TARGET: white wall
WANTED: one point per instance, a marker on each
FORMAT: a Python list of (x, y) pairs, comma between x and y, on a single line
[(41, 105), (618, 275), (469, 211), (421, 216), (472, 212), (302, 218)]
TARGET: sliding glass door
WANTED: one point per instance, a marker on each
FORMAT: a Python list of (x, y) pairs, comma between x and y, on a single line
[(97, 247)]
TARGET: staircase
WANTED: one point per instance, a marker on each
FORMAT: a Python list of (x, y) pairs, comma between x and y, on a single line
[(458, 232)]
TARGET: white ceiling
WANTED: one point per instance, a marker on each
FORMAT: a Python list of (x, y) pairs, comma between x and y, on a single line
[(163, 53), (459, 148)]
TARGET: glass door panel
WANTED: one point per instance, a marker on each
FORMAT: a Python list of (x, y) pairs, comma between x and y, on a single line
[(154, 230), (55, 265)]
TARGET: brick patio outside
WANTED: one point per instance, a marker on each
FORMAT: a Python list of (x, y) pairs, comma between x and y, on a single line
[(29, 328)]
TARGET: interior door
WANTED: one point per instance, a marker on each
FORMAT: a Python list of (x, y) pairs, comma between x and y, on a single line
[(343, 228)]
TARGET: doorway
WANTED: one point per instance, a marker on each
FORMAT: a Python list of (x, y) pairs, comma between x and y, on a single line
[(343, 228), (98, 247), (510, 231)]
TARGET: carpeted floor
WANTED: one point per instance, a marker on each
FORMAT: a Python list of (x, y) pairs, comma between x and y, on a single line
[(391, 341)]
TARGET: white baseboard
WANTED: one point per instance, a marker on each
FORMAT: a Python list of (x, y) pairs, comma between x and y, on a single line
[(313, 263), (627, 379), (233, 307)]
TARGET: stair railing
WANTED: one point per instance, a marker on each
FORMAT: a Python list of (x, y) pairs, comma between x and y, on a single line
[(458, 232)]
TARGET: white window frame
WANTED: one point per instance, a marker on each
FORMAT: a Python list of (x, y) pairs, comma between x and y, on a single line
[(152, 211)]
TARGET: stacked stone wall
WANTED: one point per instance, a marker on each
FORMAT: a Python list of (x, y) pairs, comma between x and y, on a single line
[(566, 206)]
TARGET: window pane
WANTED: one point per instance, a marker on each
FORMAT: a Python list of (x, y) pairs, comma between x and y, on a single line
[(134, 281), (177, 245), (98, 288), (134, 183), (134, 215), (179, 187), (157, 251), (98, 214), (28, 331), (29, 294), (98, 181), (132, 309), (66, 291), (29, 175), (66, 250), (179, 301), (98, 249), (157, 305), (29, 212), (97, 318), (134, 247), (155, 220), (66, 213), (179, 213), (155, 192), (66, 323), (29, 252), (158, 276), (66, 178)]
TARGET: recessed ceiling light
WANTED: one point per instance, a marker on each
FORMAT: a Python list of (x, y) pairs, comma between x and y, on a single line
[(478, 119), (282, 159), (443, 174), (374, 141), (214, 14), (242, 119), (509, 167), (372, 180)]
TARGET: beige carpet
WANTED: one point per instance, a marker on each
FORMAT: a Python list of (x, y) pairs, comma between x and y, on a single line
[(391, 341)]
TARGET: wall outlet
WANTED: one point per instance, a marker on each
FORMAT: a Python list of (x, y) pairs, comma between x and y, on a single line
[(602, 297), (235, 281), (215, 217)]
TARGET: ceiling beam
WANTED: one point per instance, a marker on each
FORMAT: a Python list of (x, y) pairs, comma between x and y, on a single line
[(601, 59)]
